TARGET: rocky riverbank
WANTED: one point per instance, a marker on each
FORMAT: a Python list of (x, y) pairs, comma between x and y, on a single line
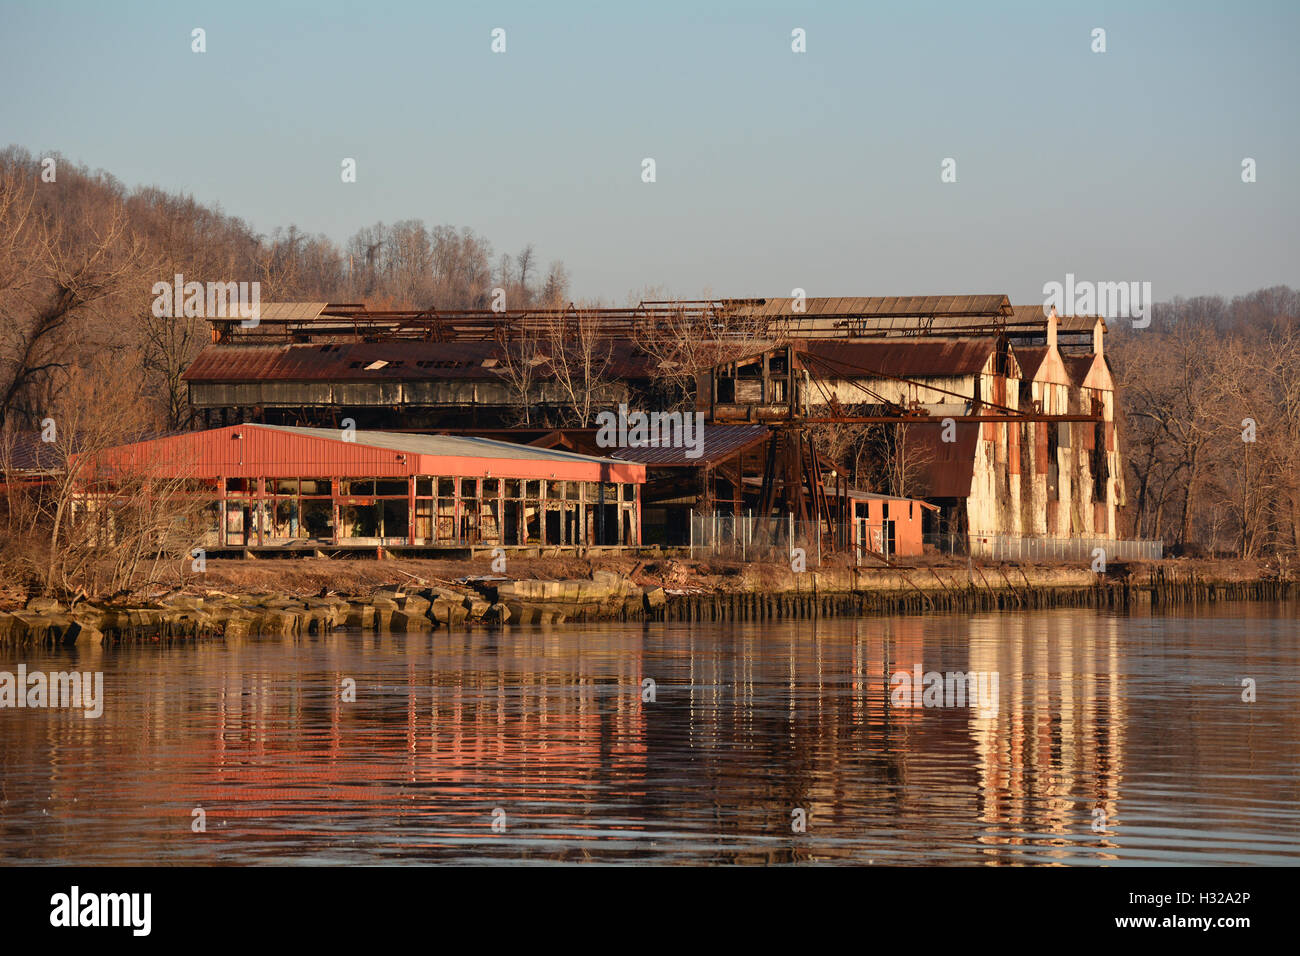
[(481, 602), (671, 590)]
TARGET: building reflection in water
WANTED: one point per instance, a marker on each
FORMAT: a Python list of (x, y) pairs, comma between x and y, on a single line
[(663, 742)]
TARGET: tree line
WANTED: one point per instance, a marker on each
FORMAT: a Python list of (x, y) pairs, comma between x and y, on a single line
[(1209, 420), (79, 256)]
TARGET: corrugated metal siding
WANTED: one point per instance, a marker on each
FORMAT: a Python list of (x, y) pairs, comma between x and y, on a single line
[(946, 468), (906, 358), (453, 394)]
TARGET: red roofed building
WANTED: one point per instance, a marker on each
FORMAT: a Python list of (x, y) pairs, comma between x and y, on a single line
[(280, 486)]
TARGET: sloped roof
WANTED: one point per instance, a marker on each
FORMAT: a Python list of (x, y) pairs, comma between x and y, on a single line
[(904, 358), (857, 495), (1031, 358), (25, 452), (719, 442), (877, 306), (371, 362), (378, 361), (290, 311), (1078, 365), (440, 445)]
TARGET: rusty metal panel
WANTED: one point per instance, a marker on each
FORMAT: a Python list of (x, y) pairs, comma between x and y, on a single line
[(719, 442), (905, 358), (374, 362), (946, 468), (879, 306), (1030, 359), (1078, 367)]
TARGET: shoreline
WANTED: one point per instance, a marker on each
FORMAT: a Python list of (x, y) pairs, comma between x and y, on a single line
[(242, 598)]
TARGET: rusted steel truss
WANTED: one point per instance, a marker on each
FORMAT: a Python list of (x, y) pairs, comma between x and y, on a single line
[(716, 317)]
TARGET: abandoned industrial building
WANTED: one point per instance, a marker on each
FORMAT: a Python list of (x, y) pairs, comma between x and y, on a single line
[(1000, 419), (279, 486), (1030, 445)]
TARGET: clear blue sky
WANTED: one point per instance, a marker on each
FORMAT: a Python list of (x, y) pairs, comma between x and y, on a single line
[(775, 170)]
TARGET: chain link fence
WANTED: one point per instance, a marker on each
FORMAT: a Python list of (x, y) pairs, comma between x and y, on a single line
[(946, 543), (999, 547), (750, 538)]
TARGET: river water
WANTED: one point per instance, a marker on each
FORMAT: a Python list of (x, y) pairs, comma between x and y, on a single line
[(1098, 739)]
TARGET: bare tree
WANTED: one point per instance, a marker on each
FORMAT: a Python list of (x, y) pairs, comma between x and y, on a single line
[(556, 287), (64, 272), (522, 367), (97, 520), (579, 357), (685, 342)]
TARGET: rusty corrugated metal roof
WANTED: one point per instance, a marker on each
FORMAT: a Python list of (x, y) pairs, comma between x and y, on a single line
[(720, 442), (945, 468), (1031, 359), (379, 361), (1078, 366), (905, 358), (25, 452), (877, 306), (369, 362)]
